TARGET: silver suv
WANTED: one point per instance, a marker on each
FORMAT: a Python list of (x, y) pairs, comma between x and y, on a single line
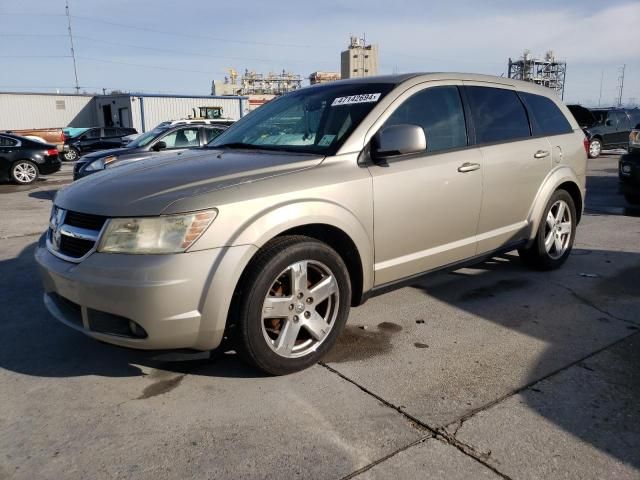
[(310, 205)]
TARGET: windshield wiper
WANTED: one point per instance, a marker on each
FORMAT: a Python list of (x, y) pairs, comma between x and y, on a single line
[(249, 146)]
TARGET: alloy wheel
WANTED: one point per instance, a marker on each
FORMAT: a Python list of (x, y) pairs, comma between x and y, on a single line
[(595, 148), (558, 228), (300, 309), (70, 155), (25, 172)]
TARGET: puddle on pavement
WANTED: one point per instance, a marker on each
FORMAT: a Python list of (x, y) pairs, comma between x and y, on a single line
[(494, 289), (356, 343)]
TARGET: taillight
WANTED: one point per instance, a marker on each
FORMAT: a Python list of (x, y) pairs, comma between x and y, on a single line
[(51, 152), (585, 142)]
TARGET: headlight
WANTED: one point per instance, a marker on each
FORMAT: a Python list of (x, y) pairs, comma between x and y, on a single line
[(166, 234), (100, 164), (634, 137)]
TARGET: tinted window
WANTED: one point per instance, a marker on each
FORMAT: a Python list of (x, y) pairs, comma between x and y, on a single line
[(184, 138), (498, 114), (547, 117), (211, 133), (111, 132), (7, 142), (91, 134), (438, 110)]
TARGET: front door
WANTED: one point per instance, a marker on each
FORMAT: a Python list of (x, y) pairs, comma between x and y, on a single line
[(426, 205)]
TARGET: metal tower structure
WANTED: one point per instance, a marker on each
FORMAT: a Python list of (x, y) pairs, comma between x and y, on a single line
[(545, 71)]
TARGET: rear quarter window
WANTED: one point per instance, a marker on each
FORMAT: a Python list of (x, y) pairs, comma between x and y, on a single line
[(547, 119), (498, 115)]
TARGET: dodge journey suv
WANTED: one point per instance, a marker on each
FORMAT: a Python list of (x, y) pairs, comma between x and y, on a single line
[(310, 205)]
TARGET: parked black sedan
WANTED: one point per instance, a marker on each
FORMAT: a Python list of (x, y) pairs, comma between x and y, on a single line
[(161, 139), (23, 160), (93, 139)]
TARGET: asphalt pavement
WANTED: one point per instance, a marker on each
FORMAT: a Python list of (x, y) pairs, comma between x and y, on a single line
[(487, 372)]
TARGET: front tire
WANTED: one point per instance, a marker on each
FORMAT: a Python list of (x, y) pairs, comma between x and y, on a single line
[(24, 172), (71, 155), (295, 301), (595, 148), (556, 233)]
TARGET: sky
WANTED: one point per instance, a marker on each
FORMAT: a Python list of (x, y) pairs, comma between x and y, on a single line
[(180, 47)]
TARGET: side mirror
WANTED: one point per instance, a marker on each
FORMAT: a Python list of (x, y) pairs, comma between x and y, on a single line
[(608, 123), (398, 140), (159, 146)]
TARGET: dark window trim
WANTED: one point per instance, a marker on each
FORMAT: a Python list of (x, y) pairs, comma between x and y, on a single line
[(511, 140)]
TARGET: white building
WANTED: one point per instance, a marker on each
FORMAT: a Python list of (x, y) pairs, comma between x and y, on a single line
[(140, 111)]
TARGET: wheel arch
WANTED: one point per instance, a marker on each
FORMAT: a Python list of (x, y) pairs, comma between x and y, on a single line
[(561, 179)]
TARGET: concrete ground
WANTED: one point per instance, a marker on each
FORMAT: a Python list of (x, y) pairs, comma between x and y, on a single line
[(487, 372)]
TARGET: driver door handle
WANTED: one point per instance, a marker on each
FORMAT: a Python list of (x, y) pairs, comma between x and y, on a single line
[(541, 154), (468, 167)]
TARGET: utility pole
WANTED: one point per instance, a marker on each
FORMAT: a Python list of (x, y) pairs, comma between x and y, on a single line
[(73, 52), (601, 79), (621, 85)]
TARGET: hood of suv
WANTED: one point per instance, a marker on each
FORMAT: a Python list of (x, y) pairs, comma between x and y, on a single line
[(148, 187)]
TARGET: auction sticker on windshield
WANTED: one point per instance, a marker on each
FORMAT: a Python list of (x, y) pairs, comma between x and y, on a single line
[(363, 98)]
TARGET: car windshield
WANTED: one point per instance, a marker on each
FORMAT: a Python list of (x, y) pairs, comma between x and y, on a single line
[(311, 120), (146, 137)]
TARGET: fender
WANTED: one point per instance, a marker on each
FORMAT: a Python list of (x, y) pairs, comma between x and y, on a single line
[(269, 223), (558, 176), (255, 232)]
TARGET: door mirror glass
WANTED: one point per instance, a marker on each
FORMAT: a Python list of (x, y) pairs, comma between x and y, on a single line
[(160, 146), (398, 140)]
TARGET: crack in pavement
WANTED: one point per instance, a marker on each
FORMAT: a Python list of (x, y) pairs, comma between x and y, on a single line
[(442, 434), (21, 235), (589, 303), (436, 433)]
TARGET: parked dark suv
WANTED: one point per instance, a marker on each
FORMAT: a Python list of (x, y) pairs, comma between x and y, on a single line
[(93, 139), (605, 127)]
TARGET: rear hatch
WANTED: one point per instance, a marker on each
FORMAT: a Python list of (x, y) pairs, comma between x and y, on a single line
[(583, 115)]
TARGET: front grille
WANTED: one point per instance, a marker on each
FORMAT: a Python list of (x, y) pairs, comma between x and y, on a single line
[(84, 220), (75, 247)]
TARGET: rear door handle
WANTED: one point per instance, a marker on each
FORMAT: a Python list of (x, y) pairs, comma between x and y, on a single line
[(468, 167), (541, 154)]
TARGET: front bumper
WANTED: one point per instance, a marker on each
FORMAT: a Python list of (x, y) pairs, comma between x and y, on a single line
[(171, 301)]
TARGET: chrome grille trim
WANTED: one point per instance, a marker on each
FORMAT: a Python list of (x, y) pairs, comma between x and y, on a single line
[(57, 226)]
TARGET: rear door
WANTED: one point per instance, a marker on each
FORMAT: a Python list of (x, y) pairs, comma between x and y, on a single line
[(111, 138), (8, 151), (514, 163), (89, 141), (426, 204)]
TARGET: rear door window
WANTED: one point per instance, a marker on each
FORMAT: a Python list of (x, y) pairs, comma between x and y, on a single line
[(91, 134), (439, 111), (498, 115), (8, 142), (184, 138), (111, 132), (547, 117)]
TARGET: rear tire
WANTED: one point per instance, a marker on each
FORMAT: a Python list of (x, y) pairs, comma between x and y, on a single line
[(556, 233), (294, 302), (24, 172), (595, 148), (71, 155)]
